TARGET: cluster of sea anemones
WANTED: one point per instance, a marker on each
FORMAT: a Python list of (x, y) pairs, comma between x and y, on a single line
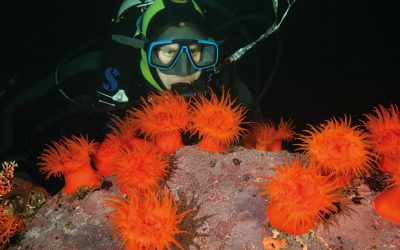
[(135, 151), (146, 221), (160, 119), (163, 117), (299, 196), (148, 217), (265, 135), (335, 152)]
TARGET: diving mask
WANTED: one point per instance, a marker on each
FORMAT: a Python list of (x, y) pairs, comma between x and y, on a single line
[(182, 51)]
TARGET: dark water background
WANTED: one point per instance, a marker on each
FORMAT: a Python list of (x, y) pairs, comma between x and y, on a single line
[(335, 56)]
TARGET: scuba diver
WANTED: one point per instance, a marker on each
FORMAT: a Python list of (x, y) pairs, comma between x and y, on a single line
[(152, 46)]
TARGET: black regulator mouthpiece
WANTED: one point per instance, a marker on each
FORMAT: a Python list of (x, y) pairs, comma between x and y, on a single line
[(188, 90)]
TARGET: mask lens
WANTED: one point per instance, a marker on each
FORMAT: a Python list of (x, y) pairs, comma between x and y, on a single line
[(164, 55), (196, 52), (206, 56), (202, 54)]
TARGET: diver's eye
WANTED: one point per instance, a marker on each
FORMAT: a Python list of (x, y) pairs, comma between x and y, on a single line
[(195, 52), (195, 49), (167, 53)]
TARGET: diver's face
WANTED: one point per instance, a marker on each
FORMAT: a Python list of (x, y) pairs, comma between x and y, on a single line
[(183, 71), (169, 80)]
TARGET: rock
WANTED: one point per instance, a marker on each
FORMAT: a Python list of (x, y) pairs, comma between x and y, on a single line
[(221, 190), (72, 222), (229, 215)]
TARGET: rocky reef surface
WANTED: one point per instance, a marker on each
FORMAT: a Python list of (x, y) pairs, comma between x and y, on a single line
[(221, 190)]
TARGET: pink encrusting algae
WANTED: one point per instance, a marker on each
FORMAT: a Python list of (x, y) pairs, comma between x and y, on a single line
[(146, 222), (338, 148), (299, 196), (161, 118), (217, 121), (384, 134), (70, 157)]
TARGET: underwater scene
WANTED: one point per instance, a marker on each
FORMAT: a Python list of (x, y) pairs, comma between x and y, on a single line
[(136, 124)]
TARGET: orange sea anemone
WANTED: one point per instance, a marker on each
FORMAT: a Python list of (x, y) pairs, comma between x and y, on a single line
[(337, 147), (389, 163), (264, 135), (146, 222), (162, 118), (299, 197), (284, 132), (107, 155), (140, 168), (70, 158), (394, 181), (260, 135), (387, 204), (218, 122), (122, 127), (110, 150), (384, 134), (9, 226)]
